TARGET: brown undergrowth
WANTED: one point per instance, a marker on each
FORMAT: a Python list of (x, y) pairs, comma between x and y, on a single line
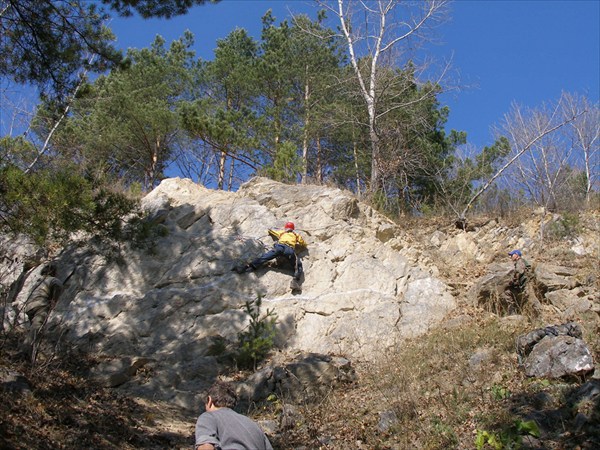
[(440, 391), (53, 404), (457, 387), (450, 389)]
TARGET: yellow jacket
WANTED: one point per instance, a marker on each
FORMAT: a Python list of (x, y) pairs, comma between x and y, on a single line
[(290, 238)]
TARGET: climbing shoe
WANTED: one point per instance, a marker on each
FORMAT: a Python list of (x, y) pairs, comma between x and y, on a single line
[(243, 268), (295, 286)]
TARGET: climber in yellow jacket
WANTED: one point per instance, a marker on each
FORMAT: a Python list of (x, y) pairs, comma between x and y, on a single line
[(288, 242)]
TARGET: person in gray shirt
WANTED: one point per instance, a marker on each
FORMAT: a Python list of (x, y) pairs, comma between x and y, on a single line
[(221, 428)]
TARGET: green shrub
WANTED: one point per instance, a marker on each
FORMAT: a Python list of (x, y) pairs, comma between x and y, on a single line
[(511, 438), (286, 164), (257, 340), (50, 205), (567, 226), (499, 392)]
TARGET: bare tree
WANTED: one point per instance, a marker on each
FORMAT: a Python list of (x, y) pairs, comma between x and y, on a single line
[(18, 111), (544, 153), (533, 153), (585, 137), (57, 123), (375, 33)]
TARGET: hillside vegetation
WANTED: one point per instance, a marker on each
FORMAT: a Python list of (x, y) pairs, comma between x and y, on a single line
[(459, 386)]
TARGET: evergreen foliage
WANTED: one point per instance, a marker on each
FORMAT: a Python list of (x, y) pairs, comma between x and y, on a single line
[(256, 342), (126, 124), (456, 180), (289, 105), (286, 165), (48, 206), (223, 118), (47, 43), (154, 8)]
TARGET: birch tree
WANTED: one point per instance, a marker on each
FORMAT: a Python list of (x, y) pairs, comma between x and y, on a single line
[(535, 152), (544, 155), (378, 33), (585, 136)]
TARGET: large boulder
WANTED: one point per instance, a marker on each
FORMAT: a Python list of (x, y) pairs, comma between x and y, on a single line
[(552, 277), (560, 356), (308, 378), (164, 306), (489, 292), (555, 351)]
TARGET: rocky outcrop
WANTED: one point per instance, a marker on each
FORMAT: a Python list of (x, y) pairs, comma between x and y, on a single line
[(161, 309), (550, 286)]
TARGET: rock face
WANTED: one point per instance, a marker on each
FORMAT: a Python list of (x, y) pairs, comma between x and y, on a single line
[(165, 307)]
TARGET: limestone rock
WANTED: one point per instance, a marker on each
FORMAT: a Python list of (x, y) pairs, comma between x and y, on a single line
[(14, 382), (308, 378), (116, 372), (360, 294), (560, 356), (550, 277), (526, 342)]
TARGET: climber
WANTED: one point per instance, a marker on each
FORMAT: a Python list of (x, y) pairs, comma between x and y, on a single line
[(515, 291), (222, 427), (288, 243)]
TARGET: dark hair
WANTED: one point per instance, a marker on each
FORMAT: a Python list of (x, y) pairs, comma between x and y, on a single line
[(223, 394)]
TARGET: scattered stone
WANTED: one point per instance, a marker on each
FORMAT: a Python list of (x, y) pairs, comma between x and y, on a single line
[(387, 419), (14, 383), (289, 417), (526, 343), (306, 379), (557, 357)]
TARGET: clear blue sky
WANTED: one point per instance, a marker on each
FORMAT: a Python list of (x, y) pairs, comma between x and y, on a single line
[(523, 51)]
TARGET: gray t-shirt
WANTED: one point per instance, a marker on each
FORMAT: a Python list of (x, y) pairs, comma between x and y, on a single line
[(228, 430)]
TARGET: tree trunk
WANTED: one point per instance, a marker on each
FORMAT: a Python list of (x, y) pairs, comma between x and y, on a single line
[(355, 152), (375, 174), (319, 168), (231, 169), (305, 138), (221, 179)]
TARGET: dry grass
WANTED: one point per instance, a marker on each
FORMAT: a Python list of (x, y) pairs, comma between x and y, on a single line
[(440, 392), (62, 409), (435, 392)]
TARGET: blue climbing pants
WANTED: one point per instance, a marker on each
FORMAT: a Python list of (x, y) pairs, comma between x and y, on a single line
[(281, 250)]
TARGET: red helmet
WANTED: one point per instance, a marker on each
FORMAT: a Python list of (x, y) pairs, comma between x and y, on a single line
[(289, 226)]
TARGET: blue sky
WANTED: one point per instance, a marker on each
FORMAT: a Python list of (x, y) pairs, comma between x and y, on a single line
[(525, 51)]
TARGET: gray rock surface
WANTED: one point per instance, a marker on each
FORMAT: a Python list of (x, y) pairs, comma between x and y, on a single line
[(559, 356), (360, 295)]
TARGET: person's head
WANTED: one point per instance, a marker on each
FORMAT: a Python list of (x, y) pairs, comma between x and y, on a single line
[(514, 254), (289, 226), (221, 395)]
